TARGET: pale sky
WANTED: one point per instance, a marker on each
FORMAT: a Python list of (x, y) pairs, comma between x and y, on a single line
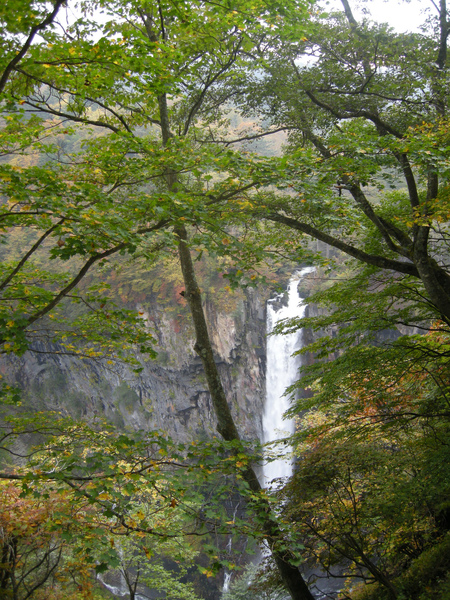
[(403, 15)]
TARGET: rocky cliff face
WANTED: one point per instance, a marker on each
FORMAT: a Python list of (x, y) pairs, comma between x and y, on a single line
[(171, 392)]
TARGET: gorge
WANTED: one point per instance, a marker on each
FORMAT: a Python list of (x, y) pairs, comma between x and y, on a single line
[(170, 394)]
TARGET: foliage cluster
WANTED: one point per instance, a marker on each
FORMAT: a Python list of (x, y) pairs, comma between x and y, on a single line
[(90, 499)]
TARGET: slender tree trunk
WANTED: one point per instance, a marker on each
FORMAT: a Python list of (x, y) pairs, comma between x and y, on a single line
[(284, 559), (290, 574)]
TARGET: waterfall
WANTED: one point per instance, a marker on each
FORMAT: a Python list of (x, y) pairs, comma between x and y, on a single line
[(228, 574), (226, 582), (118, 586), (282, 371), (119, 590)]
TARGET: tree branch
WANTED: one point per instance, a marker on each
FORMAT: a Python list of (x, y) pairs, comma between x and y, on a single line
[(26, 46), (406, 268)]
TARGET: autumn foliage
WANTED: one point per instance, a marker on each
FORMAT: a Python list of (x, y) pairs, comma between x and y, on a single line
[(37, 559)]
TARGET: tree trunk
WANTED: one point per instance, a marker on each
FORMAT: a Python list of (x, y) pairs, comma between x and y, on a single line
[(284, 559), (290, 574)]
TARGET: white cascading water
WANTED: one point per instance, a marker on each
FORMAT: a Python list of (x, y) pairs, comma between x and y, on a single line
[(226, 582), (282, 371), (121, 589)]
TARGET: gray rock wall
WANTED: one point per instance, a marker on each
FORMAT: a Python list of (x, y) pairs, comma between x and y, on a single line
[(171, 392)]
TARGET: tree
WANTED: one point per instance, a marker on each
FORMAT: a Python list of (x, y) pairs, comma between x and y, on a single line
[(359, 123), (76, 202), (37, 561), (90, 498), (251, 583), (138, 186), (369, 496), (367, 173), (146, 565), (34, 17)]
